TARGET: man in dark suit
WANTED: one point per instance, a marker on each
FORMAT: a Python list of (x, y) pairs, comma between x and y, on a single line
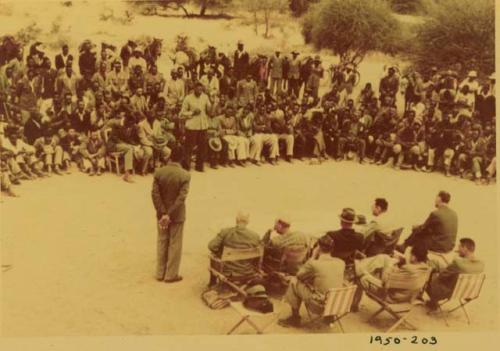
[(442, 285), (241, 62), (346, 240), (33, 128), (170, 189), (63, 58), (439, 231)]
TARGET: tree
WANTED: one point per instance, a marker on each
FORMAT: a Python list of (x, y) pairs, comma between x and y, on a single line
[(457, 31), (149, 7), (351, 28), (267, 8), (206, 4), (300, 7)]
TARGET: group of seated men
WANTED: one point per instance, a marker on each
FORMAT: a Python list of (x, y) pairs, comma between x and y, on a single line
[(339, 257), (232, 112)]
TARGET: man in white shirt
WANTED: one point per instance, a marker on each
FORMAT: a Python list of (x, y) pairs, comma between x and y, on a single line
[(471, 81), (211, 85), (137, 60), (195, 110), (176, 88), (380, 222)]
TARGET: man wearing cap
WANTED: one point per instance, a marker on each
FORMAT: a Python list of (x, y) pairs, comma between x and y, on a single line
[(195, 109), (276, 72), (313, 280), (241, 62), (169, 193), (438, 232), (346, 241), (284, 237), (237, 237)]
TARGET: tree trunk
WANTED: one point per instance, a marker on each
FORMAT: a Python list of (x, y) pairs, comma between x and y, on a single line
[(266, 18), (203, 8), (255, 22)]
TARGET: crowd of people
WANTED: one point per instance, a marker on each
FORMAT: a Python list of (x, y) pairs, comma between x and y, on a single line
[(341, 257), (232, 110)]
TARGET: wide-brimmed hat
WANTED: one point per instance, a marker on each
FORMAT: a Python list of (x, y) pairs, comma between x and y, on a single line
[(215, 144), (472, 74), (284, 219), (295, 52), (348, 215), (256, 290)]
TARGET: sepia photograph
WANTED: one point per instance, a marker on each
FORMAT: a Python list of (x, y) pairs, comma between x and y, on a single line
[(244, 167)]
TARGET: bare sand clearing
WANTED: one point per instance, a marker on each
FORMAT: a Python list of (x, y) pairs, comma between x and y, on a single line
[(82, 249)]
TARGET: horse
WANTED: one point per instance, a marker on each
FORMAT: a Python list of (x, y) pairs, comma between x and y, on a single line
[(153, 51)]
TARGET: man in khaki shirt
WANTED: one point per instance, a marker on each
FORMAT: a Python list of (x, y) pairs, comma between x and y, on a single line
[(195, 110)]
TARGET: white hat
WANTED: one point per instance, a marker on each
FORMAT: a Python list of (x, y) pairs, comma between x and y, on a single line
[(472, 74)]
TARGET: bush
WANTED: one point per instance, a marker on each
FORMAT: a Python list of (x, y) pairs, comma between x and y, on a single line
[(457, 31), (300, 7), (407, 6), (351, 28)]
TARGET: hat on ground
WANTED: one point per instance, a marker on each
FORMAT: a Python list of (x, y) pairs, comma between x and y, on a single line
[(348, 215), (215, 144), (472, 74), (256, 290)]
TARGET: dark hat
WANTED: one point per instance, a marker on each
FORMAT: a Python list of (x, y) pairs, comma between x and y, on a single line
[(294, 52), (348, 215), (215, 144)]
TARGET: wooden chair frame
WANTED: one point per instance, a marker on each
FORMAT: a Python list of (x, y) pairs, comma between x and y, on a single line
[(231, 254), (400, 311)]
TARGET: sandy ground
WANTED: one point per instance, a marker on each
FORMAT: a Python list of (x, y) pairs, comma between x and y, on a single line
[(82, 249)]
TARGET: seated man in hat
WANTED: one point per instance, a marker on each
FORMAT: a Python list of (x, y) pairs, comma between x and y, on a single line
[(346, 241), (314, 279), (50, 152), (237, 237), (284, 238), (237, 145), (149, 131), (407, 147), (441, 285), (23, 163), (374, 271)]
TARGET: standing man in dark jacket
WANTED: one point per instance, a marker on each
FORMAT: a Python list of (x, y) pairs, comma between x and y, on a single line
[(241, 62), (170, 189), (438, 233)]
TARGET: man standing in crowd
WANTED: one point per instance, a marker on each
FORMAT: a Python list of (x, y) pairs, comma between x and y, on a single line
[(170, 189), (196, 108), (241, 62)]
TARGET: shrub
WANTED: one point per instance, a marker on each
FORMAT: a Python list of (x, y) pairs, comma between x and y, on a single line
[(351, 28)]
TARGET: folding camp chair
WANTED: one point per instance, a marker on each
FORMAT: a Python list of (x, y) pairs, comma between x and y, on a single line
[(338, 303), (413, 283), (230, 255), (285, 263), (112, 158), (379, 243), (249, 316), (467, 289)]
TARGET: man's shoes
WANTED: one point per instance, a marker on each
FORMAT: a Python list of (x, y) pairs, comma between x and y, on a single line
[(10, 193), (91, 173), (174, 280), (99, 172), (255, 162), (288, 159), (292, 321), (57, 170), (128, 178)]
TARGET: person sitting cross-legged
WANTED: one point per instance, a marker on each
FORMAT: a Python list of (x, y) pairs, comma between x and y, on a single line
[(237, 237), (314, 279), (441, 285)]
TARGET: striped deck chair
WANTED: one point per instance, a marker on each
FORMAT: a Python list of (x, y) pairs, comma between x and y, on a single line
[(337, 305), (467, 289), (412, 283)]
